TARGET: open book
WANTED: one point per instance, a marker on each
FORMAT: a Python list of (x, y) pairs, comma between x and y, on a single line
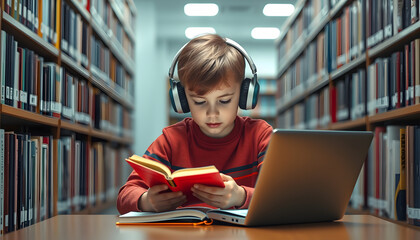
[(154, 173), (188, 215)]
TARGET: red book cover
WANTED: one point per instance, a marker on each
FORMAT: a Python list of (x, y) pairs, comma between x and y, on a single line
[(378, 154), (413, 70), (89, 104), (398, 79), (339, 43), (407, 75), (72, 173), (37, 83), (366, 183), (333, 104), (79, 97), (56, 88), (6, 7), (154, 173), (368, 21), (92, 106), (88, 183), (46, 144), (88, 5), (377, 85), (347, 35)]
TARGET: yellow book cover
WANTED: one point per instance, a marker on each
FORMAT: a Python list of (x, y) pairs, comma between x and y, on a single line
[(18, 5), (400, 193), (58, 24), (40, 18)]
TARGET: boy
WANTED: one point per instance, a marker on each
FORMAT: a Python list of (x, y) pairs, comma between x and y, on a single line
[(211, 73)]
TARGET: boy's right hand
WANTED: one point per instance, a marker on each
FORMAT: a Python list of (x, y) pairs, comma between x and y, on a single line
[(156, 199)]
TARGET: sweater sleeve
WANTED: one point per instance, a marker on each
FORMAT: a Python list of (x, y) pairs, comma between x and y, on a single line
[(249, 191), (130, 193)]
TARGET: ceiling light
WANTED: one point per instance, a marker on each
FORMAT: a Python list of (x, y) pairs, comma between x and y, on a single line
[(265, 33), (278, 10), (193, 32), (201, 9)]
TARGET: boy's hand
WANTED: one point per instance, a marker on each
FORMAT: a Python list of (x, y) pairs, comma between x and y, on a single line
[(157, 200), (229, 196)]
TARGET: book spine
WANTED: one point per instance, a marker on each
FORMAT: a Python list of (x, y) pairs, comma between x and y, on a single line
[(15, 86), (21, 74), (2, 181), (28, 182), (400, 193), (13, 183), (3, 67), (414, 11), (416, 69), (412, 61), (409, 175), (416, 176), (6, 213)]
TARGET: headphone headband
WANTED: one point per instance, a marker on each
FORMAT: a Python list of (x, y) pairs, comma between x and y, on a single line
[(228, 41)]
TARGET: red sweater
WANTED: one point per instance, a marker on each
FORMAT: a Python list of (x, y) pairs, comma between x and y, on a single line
[(184, 145)]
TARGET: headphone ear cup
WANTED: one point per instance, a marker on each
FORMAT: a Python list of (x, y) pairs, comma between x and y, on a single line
[(178, 99), (244, 93), (183, 98), (248, 92)]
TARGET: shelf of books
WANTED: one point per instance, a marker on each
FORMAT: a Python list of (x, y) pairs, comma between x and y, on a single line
[(66, 106), (361, 72), (266, 105)]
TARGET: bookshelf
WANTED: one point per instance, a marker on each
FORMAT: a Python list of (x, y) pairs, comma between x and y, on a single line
[(365, 76), (66, 104), (265, 108)]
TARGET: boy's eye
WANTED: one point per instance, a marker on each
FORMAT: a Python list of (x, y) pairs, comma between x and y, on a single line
[(225, 101), (199, 103)]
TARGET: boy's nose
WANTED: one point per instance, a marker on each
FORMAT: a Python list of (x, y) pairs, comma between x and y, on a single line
[(212, 111)]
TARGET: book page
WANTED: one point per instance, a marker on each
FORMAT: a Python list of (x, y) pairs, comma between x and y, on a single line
[(194, 171), (159, 167), (178, 214)]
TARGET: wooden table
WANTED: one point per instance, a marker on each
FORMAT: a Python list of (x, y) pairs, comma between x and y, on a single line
[(103, 227)]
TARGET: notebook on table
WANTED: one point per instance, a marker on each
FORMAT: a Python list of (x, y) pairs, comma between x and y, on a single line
[(307, 176)]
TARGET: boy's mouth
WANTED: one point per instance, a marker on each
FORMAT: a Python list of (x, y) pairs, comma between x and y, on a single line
[(213, 125)]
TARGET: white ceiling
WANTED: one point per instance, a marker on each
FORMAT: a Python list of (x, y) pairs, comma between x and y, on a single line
[(236, 19)]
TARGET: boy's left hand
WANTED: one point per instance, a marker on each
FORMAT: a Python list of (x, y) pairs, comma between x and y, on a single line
[(229, 196)]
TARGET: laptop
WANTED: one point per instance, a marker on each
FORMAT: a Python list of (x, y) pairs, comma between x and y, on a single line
[(307, 176)]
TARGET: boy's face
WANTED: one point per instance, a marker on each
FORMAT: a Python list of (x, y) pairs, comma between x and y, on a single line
[(215, 111)]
